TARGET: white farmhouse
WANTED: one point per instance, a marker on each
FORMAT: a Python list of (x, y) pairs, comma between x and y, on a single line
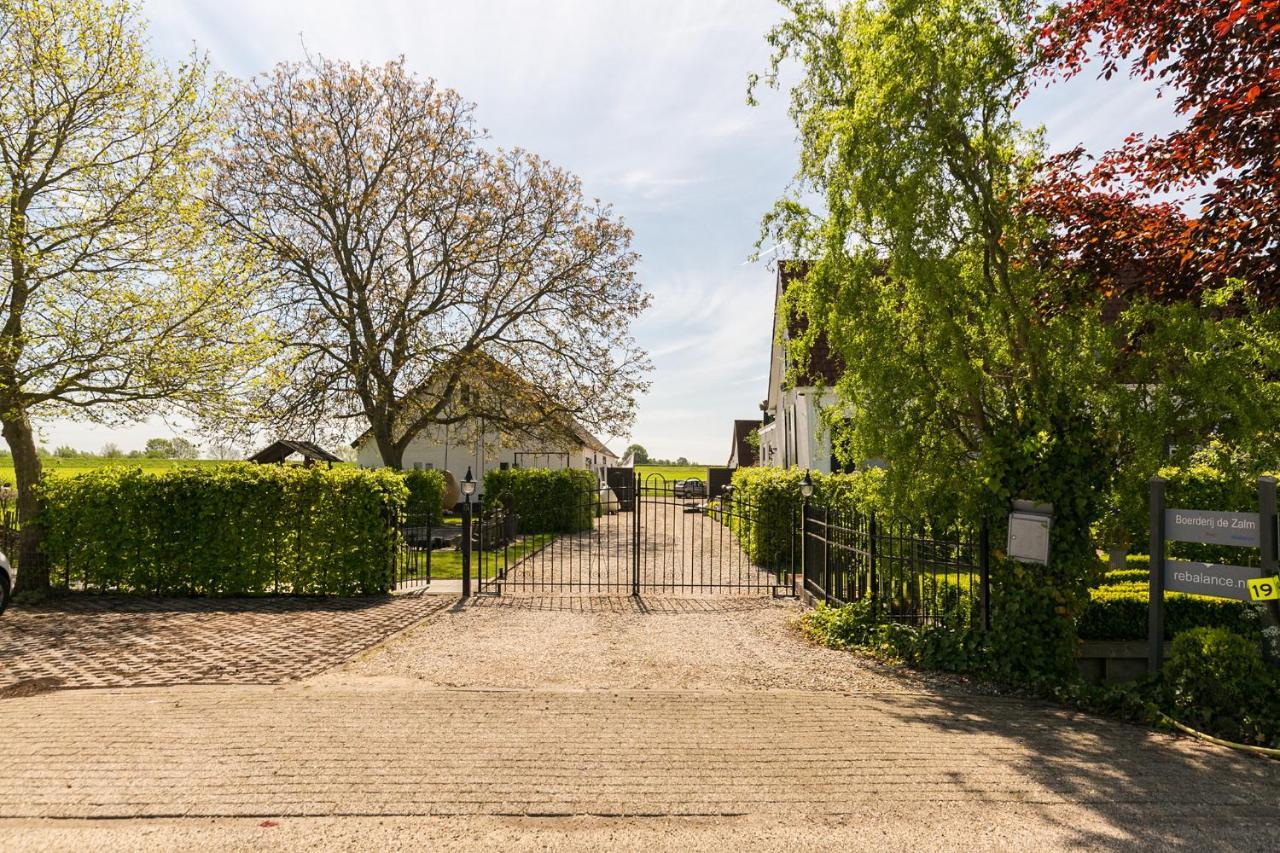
[(455, 449), (792, 434)]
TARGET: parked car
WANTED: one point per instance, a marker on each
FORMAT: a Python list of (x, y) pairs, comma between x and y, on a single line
[(690, 488), (6, 582)]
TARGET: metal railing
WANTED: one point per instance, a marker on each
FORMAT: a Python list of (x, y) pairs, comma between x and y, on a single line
[(906, 572)]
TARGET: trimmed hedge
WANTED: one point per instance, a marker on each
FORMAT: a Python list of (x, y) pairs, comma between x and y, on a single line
[(769, 498), (546, 501), (1119, 612), (425, 505), (235, 529)]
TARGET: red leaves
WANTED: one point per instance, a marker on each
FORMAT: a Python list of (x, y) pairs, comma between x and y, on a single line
[(1226, 74)]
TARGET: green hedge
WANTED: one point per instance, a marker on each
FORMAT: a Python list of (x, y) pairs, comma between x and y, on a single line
[(546, 501), (1216, 681), (236, 529), (426, 497), (768, 501), (1119, 612)]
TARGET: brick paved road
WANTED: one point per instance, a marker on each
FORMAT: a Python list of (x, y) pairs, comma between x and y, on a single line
[(114, 641), (292, 751), (394, 757)]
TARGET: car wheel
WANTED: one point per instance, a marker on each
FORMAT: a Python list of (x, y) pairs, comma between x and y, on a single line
[(4, 592)]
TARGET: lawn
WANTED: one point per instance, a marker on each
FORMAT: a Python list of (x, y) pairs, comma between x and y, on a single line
[(58, 467), (446, 563)]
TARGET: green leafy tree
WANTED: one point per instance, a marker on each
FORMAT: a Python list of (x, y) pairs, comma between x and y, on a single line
[(115, 298), (158, 448), (637, 453)]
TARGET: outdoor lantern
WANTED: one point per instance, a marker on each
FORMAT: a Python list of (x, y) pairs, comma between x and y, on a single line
[(468, 484), (806, 485)]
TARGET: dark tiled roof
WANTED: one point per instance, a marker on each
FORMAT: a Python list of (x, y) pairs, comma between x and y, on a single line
[(742, 449), (824, 366), (278, 451)]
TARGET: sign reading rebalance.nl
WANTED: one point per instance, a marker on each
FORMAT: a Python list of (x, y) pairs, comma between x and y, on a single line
[(1209, 579)]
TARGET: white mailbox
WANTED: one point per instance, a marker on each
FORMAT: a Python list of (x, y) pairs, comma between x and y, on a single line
[(1029, 536)]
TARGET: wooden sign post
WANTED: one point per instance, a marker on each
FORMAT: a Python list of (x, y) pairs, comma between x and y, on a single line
[(1240, 583)]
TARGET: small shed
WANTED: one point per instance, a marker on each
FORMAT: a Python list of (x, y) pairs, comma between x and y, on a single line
[(279, 451)]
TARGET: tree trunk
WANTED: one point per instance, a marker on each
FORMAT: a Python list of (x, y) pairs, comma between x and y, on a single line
[(33, 569), (392, 452)]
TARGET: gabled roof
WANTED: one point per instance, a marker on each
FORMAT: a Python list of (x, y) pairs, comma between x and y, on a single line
[(278, 451), (824, 366)]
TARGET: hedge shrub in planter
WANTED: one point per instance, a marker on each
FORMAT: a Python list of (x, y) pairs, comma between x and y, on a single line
[(236, 529), (425, 504), (546, 501), (1216, 681), (1119, 612)]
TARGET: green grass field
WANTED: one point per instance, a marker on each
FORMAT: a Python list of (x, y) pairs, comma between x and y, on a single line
[(674, 472), (56, 467)]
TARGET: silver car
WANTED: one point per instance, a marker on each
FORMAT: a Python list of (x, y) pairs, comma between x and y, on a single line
[(6, 582)]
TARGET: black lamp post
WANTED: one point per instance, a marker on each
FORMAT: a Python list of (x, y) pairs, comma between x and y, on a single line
[(468, 489)]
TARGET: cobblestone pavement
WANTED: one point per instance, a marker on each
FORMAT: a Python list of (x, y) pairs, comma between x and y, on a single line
[(296, 751), (116, 641), (607, 723), (682, 551)]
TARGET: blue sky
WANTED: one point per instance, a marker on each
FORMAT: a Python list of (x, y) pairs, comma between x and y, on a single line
[(645, 100)]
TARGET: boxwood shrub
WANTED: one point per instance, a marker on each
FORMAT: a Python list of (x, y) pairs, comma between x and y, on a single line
[(1119, 612), (546, 501), (235, 529)]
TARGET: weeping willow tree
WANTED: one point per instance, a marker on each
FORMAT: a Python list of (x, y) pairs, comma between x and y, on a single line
[(973, 366)]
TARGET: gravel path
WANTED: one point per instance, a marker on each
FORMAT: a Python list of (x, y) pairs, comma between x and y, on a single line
[(571, 642), (682, 552)]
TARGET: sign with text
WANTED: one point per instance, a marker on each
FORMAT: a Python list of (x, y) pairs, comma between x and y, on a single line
[(1209, 579), (1213, 528)]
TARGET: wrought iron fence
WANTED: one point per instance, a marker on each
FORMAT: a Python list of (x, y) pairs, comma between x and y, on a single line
[(906, 572)]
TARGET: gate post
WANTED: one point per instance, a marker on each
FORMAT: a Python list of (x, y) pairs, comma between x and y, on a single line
[(466, 547), (984, 569), (872, 548), (1267, 543), (635, 534), (1155, 607)]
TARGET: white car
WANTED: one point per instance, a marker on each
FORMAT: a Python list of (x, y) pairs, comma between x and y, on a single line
[(6, 582)]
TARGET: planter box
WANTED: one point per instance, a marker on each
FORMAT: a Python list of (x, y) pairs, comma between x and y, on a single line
[(1102, 661)]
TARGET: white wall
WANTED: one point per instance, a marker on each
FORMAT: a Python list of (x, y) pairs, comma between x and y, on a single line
[(796, 438), (440, 453)]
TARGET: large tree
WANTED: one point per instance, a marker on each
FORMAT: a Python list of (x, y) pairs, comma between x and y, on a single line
[(420, 278), (115, 298)]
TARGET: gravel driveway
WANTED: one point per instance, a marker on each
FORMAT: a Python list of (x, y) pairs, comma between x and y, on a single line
[(730, 643), (681, 550)]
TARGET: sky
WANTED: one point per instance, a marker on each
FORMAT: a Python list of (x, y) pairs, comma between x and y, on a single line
[(646, 101)]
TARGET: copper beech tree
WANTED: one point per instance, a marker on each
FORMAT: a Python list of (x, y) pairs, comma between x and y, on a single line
[(419, 278), (115, 298), (1120, 215)]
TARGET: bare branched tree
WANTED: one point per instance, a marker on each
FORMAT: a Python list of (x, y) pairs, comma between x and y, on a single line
[(421, 279)]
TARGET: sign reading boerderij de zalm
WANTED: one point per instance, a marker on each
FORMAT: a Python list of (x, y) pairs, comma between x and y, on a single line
[(1214, 528), (1209, 579)]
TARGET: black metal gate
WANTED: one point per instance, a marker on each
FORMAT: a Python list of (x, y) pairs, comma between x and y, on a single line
[(650, 535)]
